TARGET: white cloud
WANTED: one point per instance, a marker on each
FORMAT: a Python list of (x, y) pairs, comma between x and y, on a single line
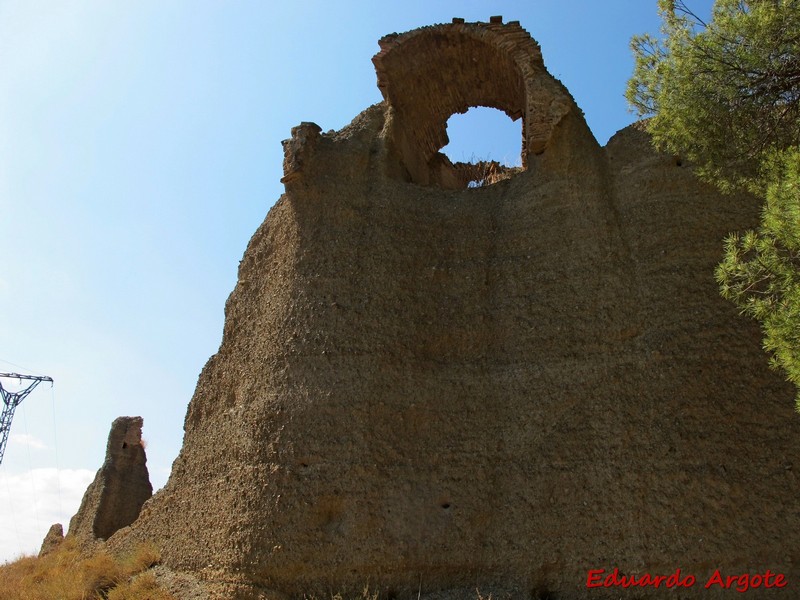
[(32, 501), (29, 440)]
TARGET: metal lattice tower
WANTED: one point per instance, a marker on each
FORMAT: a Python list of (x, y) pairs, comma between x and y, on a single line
[(10, 402)]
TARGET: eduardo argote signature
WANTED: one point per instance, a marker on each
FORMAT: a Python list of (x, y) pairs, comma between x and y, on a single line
[(597, 578)]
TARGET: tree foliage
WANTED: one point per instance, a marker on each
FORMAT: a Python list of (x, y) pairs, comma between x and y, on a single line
[(725, 94), (761, 269)]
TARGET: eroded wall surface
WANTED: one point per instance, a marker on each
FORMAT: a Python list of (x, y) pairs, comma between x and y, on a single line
[(426, 387), (120, 487)]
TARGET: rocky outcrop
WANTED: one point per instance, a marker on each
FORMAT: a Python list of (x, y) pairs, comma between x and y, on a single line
[(424, 387), (120, 488), (53, 539)]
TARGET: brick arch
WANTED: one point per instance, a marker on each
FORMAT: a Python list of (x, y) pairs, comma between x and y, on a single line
[(429, 74)]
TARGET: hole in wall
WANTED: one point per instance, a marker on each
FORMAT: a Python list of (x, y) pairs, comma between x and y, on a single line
[(484, 133), (485, 145)]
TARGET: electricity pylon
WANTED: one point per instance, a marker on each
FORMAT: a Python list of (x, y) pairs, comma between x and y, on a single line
[(11, 401)]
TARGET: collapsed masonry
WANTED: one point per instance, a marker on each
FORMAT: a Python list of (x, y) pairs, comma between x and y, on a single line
[(115, 497), (425, 387), (52, 539), (120, 488)]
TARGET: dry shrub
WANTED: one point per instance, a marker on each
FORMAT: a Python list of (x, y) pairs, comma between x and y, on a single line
[(54, 576), (143, 557), (139, 588), (366, 594), (100, 574), (13, 574), (67, 575)]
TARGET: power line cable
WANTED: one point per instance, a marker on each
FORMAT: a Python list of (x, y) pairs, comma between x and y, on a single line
[(16, 365), (30, 469), (55, 446)]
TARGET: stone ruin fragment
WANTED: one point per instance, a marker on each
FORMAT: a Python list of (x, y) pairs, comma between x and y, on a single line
[(52, 540), (115, 497), (430, 389), (120, 488)]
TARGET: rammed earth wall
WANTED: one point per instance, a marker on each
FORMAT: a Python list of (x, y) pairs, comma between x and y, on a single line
[(423, 387)]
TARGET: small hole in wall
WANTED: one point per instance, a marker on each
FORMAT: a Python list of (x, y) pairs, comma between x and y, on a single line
[(124, 445), (445, 505)]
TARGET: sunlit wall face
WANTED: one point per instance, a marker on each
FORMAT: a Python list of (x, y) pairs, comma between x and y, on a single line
[(139, 151)]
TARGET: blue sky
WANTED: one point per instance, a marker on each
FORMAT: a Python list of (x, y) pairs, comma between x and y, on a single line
[(139, 151)]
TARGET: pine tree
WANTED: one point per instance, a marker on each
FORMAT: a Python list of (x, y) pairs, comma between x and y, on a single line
[(725, 94)]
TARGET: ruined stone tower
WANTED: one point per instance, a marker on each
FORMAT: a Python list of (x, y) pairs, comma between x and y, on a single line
[(120, 487), (424, 386)]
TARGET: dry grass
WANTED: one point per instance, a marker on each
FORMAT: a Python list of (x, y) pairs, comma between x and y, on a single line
[(143, 557), (67, 575), (366, 594), (142, 587)]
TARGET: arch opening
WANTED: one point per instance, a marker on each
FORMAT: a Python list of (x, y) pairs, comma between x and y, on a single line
[(428, 75), (485, 146)]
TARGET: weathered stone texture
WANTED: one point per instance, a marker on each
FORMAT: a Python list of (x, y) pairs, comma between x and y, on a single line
[(504, 387), (53, 539), (428, 74), (120, 488)]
